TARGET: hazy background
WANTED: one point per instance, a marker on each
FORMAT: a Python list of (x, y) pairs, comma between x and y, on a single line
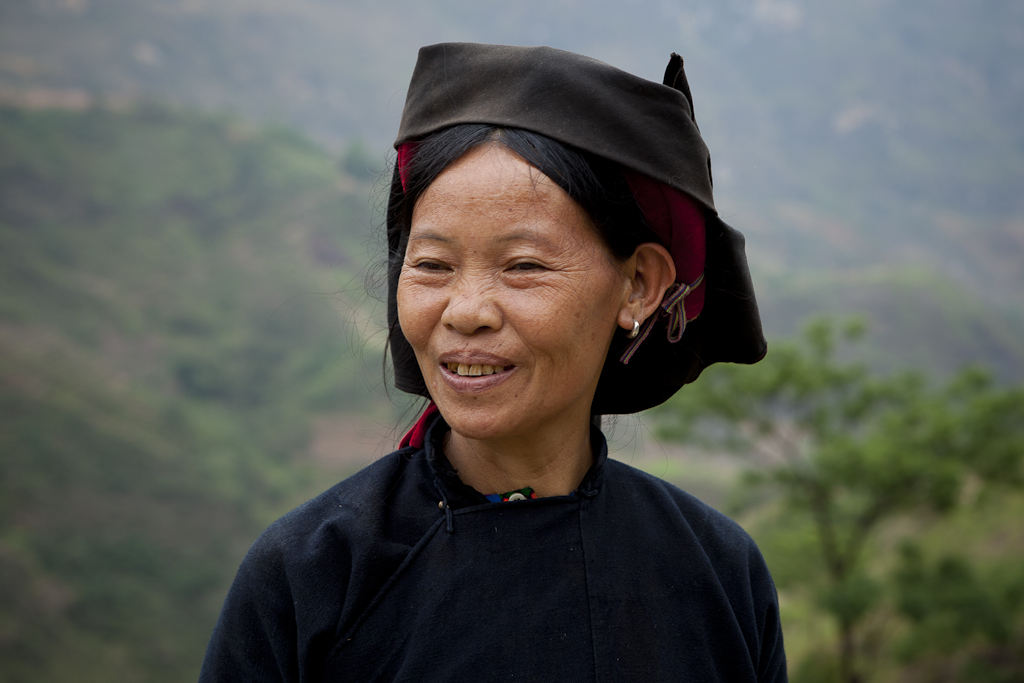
[(188, 216)]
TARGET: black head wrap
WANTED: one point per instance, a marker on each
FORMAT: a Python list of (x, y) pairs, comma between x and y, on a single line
[(647, 128)]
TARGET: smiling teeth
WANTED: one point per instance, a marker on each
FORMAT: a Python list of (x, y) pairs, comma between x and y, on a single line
[(474, 370)]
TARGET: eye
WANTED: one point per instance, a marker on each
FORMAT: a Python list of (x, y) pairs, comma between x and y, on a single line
[(526, 266), (431, 266)]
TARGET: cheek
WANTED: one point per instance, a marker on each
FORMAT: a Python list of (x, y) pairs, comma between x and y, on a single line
[(573, 321), (419, 310)]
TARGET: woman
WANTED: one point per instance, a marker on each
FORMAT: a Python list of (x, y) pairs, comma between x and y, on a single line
[(553, 240)]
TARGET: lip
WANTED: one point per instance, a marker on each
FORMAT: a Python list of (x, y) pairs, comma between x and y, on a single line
[(473, 358), (465, 384), (475, 385)]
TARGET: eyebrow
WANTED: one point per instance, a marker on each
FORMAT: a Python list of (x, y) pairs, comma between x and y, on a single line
[(429, 235), (525, 236), (520, 236)]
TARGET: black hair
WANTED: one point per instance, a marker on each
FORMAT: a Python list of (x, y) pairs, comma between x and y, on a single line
[(596, 184)]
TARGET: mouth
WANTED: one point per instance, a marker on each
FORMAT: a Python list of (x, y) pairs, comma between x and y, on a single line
[(475, 378), (475, 370)]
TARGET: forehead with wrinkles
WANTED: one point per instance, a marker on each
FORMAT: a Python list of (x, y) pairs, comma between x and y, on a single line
[(492, 192)]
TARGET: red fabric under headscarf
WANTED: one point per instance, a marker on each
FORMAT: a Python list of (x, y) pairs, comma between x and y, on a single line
[(679, 222), (418, 434), (405, 152)]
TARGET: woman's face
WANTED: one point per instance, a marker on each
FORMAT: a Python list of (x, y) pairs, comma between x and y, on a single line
[(508, 298)]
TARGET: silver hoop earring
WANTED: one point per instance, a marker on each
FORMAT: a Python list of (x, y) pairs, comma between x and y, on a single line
[(636, 331)]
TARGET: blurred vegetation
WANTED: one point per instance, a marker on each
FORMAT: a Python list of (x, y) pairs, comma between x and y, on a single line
[(848, 468), (919, 319), (178, 294), (844, 135)]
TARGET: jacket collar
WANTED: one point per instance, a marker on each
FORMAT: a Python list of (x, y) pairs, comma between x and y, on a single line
[(459, 494)]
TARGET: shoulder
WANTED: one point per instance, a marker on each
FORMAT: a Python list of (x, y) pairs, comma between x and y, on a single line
[(355, 511), (650, 491), (345, 542), (728, 548), (712, 551), (343, 501), (316, 568)]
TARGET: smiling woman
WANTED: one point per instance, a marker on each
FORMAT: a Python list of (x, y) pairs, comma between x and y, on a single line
[(552, 243), (504, 269)]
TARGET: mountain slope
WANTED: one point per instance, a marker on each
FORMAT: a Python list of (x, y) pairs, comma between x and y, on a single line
[(852, 136), (173, 297)]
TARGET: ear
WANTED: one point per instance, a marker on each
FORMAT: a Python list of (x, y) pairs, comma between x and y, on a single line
[(651, 271)]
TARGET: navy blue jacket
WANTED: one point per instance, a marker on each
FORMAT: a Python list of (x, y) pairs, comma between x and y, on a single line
[(403, 573)]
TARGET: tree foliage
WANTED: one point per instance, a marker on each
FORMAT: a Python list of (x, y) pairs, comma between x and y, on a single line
[(848, 452)]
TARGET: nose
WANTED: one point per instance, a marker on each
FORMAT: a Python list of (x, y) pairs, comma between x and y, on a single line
[(473, 307)]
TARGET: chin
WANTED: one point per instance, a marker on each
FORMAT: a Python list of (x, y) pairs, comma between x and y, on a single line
[(477, 424)]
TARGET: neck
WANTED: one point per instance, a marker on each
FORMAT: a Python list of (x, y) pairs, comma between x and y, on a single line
[(553, 464)]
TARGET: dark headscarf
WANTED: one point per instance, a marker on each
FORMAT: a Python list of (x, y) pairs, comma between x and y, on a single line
[(647, 128)]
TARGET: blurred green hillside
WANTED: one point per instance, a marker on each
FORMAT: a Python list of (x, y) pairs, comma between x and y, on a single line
[(183, 316), (178, 295), (852, 141)]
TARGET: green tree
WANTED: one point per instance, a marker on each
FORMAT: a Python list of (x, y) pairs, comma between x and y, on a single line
[(848, 451), (965, 623)]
